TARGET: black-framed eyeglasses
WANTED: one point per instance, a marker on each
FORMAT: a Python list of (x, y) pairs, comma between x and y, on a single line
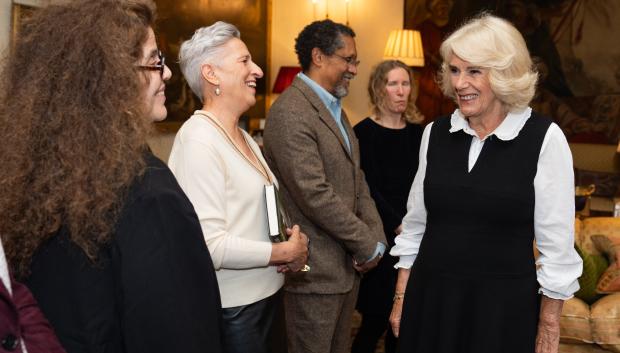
[(350, 60), (160, 66)]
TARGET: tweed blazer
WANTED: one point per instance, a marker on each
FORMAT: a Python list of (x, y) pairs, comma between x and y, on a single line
[(323, 188)]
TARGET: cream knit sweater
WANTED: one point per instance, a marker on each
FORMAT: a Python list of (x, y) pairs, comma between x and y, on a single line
[(228, 196)]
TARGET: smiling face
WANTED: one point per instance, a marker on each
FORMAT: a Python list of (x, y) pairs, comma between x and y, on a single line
[(154, 95), (472, 89), (237, 74), (397, 89), (340, 68)]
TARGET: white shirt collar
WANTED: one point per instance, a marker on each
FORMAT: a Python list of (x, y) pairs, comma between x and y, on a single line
[(507, 130)]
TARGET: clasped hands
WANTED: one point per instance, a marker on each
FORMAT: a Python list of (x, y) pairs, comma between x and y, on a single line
[(368, 265), (294, 251)]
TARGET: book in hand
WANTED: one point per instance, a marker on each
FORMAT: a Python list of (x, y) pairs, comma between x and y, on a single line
[(277, 218)]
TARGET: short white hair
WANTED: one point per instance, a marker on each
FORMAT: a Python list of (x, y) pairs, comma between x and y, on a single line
[(203, 48), (494, 43)]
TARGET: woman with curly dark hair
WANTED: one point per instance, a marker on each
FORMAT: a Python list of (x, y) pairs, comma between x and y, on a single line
[(94, 223)]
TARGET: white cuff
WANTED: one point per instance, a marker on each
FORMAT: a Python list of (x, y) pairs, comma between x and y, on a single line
[(553, 295), (405, 261)]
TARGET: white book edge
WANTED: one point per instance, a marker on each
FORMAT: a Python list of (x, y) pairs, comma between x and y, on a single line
[(272, 210)]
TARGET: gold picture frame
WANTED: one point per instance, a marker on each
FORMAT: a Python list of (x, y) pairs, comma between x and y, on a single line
[(177, 21), (19, 13)]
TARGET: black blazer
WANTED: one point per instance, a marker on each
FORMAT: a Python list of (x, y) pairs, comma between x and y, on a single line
[(153, 288)]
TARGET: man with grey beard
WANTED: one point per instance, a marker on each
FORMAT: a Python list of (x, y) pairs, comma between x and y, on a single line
[(312, 150)]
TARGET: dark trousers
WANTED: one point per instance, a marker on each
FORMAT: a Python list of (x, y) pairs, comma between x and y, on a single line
[(255, 328), (370, 331)]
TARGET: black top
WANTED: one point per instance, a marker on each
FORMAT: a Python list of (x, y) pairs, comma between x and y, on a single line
[(154, 287), (389, 159), (473, 287)]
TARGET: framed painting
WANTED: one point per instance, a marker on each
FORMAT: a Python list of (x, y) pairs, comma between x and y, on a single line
[(569, 41), (177, 21), (19, 13)]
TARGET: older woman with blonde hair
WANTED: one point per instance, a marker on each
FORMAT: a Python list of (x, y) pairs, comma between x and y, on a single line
[(493, 177), (224, 174), (389, 142)]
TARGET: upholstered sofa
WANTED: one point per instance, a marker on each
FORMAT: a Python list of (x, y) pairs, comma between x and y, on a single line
[(593, 327)]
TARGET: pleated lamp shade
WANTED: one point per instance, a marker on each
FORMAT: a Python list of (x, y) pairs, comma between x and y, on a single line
[(405, 45)]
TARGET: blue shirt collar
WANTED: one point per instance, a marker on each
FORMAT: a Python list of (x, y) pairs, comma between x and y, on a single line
[(327, 98), (332, 104)]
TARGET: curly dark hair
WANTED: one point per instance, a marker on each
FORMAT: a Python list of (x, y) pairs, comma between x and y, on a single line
[(325, 35), (73, 124), (377, 93)]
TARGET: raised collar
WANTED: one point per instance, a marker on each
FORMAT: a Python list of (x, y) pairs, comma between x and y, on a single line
[(506, 131)]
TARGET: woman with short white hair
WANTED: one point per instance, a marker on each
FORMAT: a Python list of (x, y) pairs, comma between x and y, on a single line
[(493, 177), (222, 171)]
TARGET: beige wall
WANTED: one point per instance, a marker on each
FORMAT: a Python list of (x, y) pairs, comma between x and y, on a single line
[(5, 25), (371, 20)]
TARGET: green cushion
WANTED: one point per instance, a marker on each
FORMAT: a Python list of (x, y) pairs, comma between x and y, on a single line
[(593, 268)]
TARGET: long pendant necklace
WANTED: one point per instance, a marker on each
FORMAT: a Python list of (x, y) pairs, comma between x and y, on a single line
[(260, 168)]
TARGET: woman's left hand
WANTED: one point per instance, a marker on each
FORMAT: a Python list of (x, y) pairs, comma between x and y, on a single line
[(548, 337), (292, 254)]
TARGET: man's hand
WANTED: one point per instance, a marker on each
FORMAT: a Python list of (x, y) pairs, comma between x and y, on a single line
[(367, 266)]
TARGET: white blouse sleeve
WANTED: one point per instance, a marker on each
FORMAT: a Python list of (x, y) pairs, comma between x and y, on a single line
[(414, 222), (558, 265)]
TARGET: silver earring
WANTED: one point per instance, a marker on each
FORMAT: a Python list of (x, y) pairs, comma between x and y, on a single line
[(217, 91)]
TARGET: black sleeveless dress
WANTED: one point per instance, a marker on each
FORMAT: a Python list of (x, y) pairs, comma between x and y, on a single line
[(473, 285)]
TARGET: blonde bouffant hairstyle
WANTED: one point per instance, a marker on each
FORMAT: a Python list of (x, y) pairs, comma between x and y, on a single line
[(490, 42)]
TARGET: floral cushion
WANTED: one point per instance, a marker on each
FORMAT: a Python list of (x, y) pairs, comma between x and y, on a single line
[(609, 226), (609, 282)]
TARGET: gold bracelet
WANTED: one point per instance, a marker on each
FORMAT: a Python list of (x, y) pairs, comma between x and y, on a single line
[(399, 296)]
